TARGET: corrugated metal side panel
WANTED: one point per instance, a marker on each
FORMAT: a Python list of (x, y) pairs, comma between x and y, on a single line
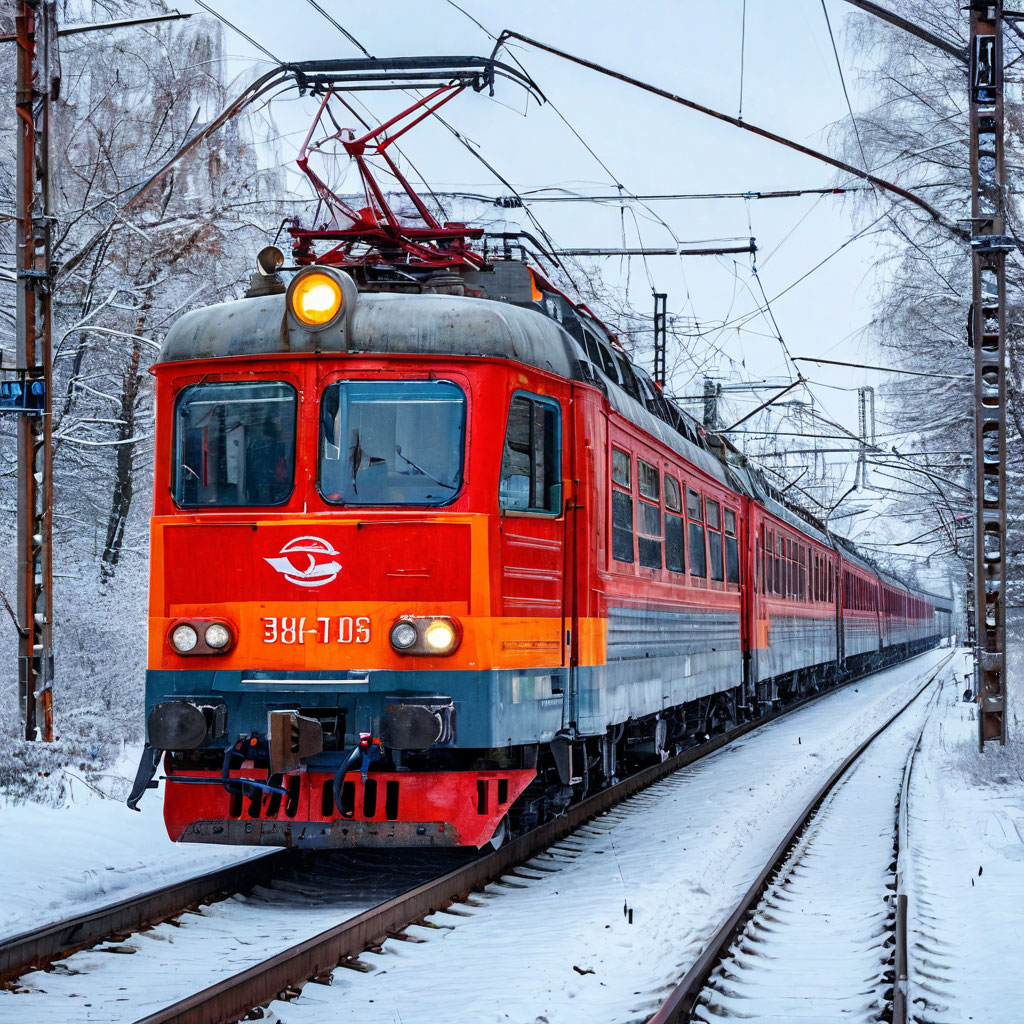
[(796, 642), (860, 636), (640, 633), (658, 659)]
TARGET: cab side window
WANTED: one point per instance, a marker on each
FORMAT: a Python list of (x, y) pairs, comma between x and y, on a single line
[(531, 461)]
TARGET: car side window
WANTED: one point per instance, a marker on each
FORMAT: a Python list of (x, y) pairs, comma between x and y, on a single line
[(714, 522), (732, 550), (698, 551), (648, 515), (622, 507), (674, 529)]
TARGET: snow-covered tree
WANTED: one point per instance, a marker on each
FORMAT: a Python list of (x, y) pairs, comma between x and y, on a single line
[(129, 98)]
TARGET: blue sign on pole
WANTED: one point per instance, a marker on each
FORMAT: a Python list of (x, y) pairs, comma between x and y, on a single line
[(28, 396)]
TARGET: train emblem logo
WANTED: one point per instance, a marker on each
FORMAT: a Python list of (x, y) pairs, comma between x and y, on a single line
[(321, 567)]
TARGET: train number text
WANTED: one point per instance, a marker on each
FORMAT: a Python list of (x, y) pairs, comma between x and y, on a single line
[(345, 629)]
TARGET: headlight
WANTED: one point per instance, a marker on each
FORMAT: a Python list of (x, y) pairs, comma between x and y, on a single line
[(184, 638), (403, 636), (217, 636), (423, 635), (315, 298), (440, 636), (201, 637)]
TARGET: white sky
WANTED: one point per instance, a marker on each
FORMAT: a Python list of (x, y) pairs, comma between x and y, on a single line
[(791, 85)]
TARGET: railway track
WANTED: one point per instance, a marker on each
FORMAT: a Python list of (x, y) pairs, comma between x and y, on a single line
[(821, 932), (39, 947), (286, 971)]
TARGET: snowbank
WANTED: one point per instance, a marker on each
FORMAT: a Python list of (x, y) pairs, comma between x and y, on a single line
[(58, 861)]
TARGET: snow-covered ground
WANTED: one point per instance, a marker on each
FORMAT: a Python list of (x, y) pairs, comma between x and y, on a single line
[(59, 861), (966, 874), (679, 855)]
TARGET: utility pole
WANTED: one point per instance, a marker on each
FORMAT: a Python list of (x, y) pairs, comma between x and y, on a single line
[(989, 246), (660, 337), (29, 395), (27, 391), (866, 423)]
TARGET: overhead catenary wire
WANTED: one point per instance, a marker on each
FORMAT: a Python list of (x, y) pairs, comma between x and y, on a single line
[(887, 186), (220, 17), (882, 369), (842, 82), (341, 28), (532, 196)]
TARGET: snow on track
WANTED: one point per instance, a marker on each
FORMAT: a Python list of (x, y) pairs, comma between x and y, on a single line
[(819, 945), (679, 855)]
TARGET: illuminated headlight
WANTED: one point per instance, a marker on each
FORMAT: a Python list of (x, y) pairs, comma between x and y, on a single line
[(217, 635), (403, 636), (315, 298), (440, 636), (422, 635), (184, 638)]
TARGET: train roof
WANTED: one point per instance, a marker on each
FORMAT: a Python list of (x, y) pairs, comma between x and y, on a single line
[(379, 322)]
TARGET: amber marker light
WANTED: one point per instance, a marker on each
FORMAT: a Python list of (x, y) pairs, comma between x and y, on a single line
[(315, 298)]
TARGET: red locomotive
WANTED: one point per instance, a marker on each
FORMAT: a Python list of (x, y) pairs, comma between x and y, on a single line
[(432, 558)]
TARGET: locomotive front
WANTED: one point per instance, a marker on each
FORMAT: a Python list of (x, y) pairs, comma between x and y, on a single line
[(329, 649)]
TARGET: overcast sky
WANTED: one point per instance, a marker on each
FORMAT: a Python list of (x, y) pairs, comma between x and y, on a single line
[(790, 84)]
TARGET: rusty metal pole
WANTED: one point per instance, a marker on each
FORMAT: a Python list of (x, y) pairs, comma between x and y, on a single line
[(989, 246), (35, 25)]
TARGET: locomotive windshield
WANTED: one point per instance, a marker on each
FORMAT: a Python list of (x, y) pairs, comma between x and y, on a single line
[(391, 442), (234, 444)]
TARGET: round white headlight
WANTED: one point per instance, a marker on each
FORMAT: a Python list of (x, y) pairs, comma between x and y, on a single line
[(217, 635), (184, 638), (440, 636), (403, 636)]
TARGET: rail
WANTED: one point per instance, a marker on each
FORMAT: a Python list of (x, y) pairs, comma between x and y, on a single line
[(900, 951), (39, 947), (679, 1006)]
